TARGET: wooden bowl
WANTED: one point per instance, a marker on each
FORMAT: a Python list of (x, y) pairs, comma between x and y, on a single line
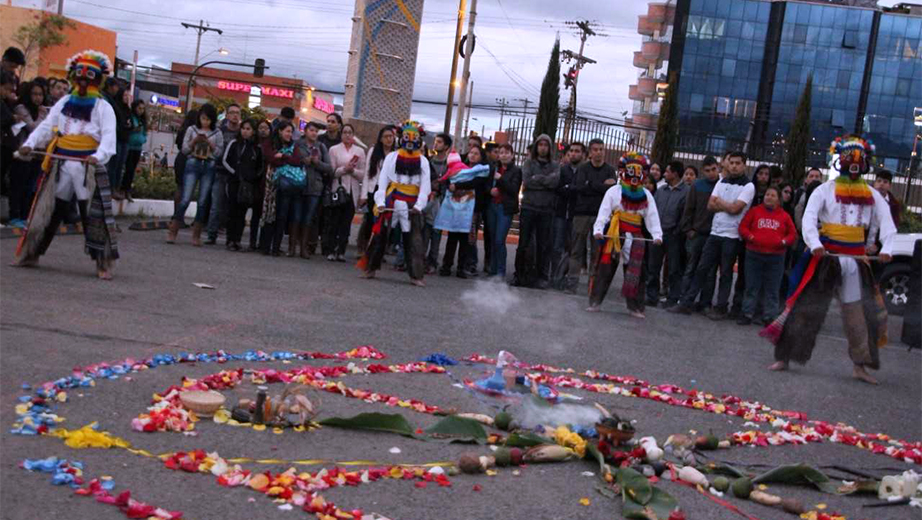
[(203, 402)]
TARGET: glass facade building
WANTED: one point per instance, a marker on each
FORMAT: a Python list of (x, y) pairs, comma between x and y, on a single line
[(743, 65)]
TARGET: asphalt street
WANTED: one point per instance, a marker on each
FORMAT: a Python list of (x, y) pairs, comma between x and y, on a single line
[(60, 316)]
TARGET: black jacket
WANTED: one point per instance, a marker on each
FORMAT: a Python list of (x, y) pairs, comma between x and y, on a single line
[(509, 185), (540, 180), (122, 118), (589, 187), (244, 160), (565, 194)]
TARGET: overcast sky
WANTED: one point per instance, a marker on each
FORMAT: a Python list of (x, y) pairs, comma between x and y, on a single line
[(309, 39)]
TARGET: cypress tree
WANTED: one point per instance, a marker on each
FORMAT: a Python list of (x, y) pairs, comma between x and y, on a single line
[(667, 125), (798, 140), (549, 104)]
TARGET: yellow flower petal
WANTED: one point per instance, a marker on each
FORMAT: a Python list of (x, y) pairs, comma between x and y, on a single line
[(763, 487), (277, 431), (584, 501), (259, 427), (821, 506)]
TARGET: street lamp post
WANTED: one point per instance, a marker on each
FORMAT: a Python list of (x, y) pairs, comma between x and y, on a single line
[(259, 67)]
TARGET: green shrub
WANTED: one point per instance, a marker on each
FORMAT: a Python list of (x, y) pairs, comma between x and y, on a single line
[(910, 222), (158, 184)]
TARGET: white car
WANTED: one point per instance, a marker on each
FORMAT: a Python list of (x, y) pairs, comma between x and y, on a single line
[(895, 279)]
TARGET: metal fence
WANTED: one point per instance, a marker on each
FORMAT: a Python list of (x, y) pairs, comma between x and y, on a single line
[(520, 134)]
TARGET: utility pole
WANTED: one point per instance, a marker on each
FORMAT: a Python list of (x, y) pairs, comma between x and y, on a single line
[(454, 66), (201, 29), (466, 74), (571, 78), (525, 102), (134, 74), (502, 110), (470, 98)]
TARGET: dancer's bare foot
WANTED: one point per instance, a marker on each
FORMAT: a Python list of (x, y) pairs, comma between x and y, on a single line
[(104, 274), (26, 262), (638, 314), (862, 375), (368, 275), (778, 366), (593, 308), (418, 283)]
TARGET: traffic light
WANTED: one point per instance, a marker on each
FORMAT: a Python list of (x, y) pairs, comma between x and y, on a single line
[(259, 68), (569, 79)]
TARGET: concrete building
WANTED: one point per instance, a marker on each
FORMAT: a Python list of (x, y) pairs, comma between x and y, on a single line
[(50, 62), (652, 59), (272, 93), (382, 63), (743, 65)]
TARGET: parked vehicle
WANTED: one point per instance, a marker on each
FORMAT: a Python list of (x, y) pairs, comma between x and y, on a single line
[(895, 279)]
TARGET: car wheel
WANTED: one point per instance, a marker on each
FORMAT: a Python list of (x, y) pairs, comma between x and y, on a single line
[(894, 284)]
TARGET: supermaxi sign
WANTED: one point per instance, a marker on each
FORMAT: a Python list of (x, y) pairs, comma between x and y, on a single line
[(235, 86)]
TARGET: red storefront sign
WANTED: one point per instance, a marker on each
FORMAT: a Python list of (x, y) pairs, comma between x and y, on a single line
[(246, 87), (324, 105)]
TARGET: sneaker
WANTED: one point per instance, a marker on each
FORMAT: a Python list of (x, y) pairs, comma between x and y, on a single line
[(461, 274), (744, 320), (340, 257), (679, 309), (716, 314), (331, 258), (210, 241), (541, 285), (472, 273)]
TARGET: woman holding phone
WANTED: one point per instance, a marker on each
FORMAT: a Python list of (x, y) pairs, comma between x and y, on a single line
[(341, 198)]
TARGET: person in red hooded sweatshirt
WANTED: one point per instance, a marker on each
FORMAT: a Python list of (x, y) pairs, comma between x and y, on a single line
[(768, 232)]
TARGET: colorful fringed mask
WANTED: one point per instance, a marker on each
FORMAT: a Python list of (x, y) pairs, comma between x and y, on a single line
[(411, 136), (633, 168), (855, 154)]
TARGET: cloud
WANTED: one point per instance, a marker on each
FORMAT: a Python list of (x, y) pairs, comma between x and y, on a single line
[(311, 41)]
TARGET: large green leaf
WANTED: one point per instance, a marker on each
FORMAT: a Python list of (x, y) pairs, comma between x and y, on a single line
[(393, 423), (799, 475), (526, 440), (634, 486), (459, 428), (660, 506), (592, 452)]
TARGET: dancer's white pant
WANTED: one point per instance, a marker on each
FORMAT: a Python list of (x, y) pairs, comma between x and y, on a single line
[(72, 181), (850, 290)]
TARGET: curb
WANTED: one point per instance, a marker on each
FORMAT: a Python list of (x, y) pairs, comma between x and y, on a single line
[(65, 229)]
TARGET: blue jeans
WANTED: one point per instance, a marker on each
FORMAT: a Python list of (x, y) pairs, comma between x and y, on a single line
[(116, 166), (288, 209), (201, 172), (723, 252), (309, 205), (499, 224), (218, 204), (434, 236), (690, 287), (763, 273)]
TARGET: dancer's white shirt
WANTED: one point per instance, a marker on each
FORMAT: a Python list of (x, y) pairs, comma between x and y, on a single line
[(389, 174), (612, 202), (824, 208), (100, 127)]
